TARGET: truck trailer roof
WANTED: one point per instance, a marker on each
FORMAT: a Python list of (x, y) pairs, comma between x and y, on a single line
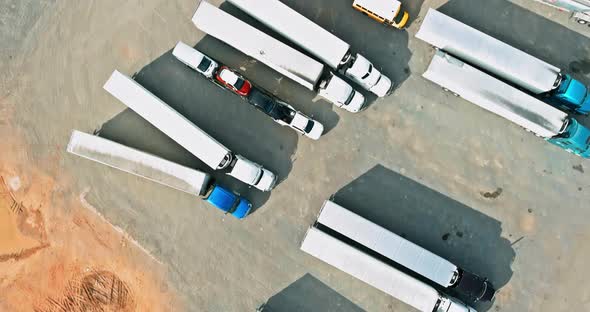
[(297, 28), (487, 52), (139, 163), (388, 244), (370, 270), (255, 43), (495, 96), (166, 119)]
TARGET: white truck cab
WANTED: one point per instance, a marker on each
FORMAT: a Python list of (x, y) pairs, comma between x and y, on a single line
[(337, 91), (365, 74), (195, 59), (252, 173)]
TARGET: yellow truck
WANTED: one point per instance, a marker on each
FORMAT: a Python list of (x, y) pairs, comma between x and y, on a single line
[(388, 12)]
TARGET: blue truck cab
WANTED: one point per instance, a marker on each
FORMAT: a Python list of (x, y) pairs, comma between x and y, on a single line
[(228, 201), (575, 139), (573, 95)]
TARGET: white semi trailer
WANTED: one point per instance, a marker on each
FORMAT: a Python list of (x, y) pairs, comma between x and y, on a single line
[(277, 55), (580, 9), (138, 163), (158, 170), (379, 274), (187, 134), (506, 101), (319, 42), (504, 61), (404, 252)]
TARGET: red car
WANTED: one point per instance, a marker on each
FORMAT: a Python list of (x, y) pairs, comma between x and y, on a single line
[(233, 81)]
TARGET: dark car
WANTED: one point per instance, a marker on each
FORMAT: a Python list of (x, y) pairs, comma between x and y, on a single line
[(284, 114)]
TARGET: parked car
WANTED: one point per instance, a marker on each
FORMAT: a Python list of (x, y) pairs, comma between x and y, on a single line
[(228, 201), (233, 81), (195, 59), (284, 114)]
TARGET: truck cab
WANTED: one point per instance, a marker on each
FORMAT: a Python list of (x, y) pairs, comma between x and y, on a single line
[(573, 94), (337, 91), (252, 173), (228, 201), (575, 138), (365, 74)]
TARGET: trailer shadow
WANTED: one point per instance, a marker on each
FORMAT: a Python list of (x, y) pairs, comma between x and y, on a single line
[(385, 47), (289, 91), (225, 116), (434, 221), (308, 294)]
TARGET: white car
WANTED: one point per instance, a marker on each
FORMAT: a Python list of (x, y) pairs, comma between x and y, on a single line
[(284, 114), (195, 59)]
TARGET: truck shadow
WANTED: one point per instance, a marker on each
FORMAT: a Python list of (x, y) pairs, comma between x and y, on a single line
[(458, 233), (308, 294), (287, 90), (223, 115), (385, 47)]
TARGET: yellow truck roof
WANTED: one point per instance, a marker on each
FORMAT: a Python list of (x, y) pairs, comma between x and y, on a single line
[(384, 8)]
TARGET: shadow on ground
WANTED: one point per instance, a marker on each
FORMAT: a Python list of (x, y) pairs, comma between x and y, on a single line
[(385, 47), (309, 294), (462, 235), (223, 115), (413, 8), (529, 32)]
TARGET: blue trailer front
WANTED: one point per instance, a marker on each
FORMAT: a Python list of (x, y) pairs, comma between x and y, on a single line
[(573, 94), (575, 139)]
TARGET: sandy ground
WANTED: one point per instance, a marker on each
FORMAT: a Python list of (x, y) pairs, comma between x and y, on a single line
[(461, 182), (56, 252)]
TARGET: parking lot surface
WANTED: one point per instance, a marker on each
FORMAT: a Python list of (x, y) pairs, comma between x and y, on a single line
[(457, 180)]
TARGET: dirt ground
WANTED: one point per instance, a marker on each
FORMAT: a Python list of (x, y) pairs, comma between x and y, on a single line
[(56, 252)]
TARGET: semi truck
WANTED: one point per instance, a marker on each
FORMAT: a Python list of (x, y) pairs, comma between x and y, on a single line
[(278, 56), (379, 274), (319, 42), (504, 61), (580, 9), (507, 101), (158, 170), (404, 252), (186, 133)]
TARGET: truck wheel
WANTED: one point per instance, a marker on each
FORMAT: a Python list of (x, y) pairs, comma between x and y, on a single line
[(581, 21)]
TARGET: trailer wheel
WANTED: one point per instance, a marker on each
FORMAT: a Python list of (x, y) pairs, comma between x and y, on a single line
[(581, 21)]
